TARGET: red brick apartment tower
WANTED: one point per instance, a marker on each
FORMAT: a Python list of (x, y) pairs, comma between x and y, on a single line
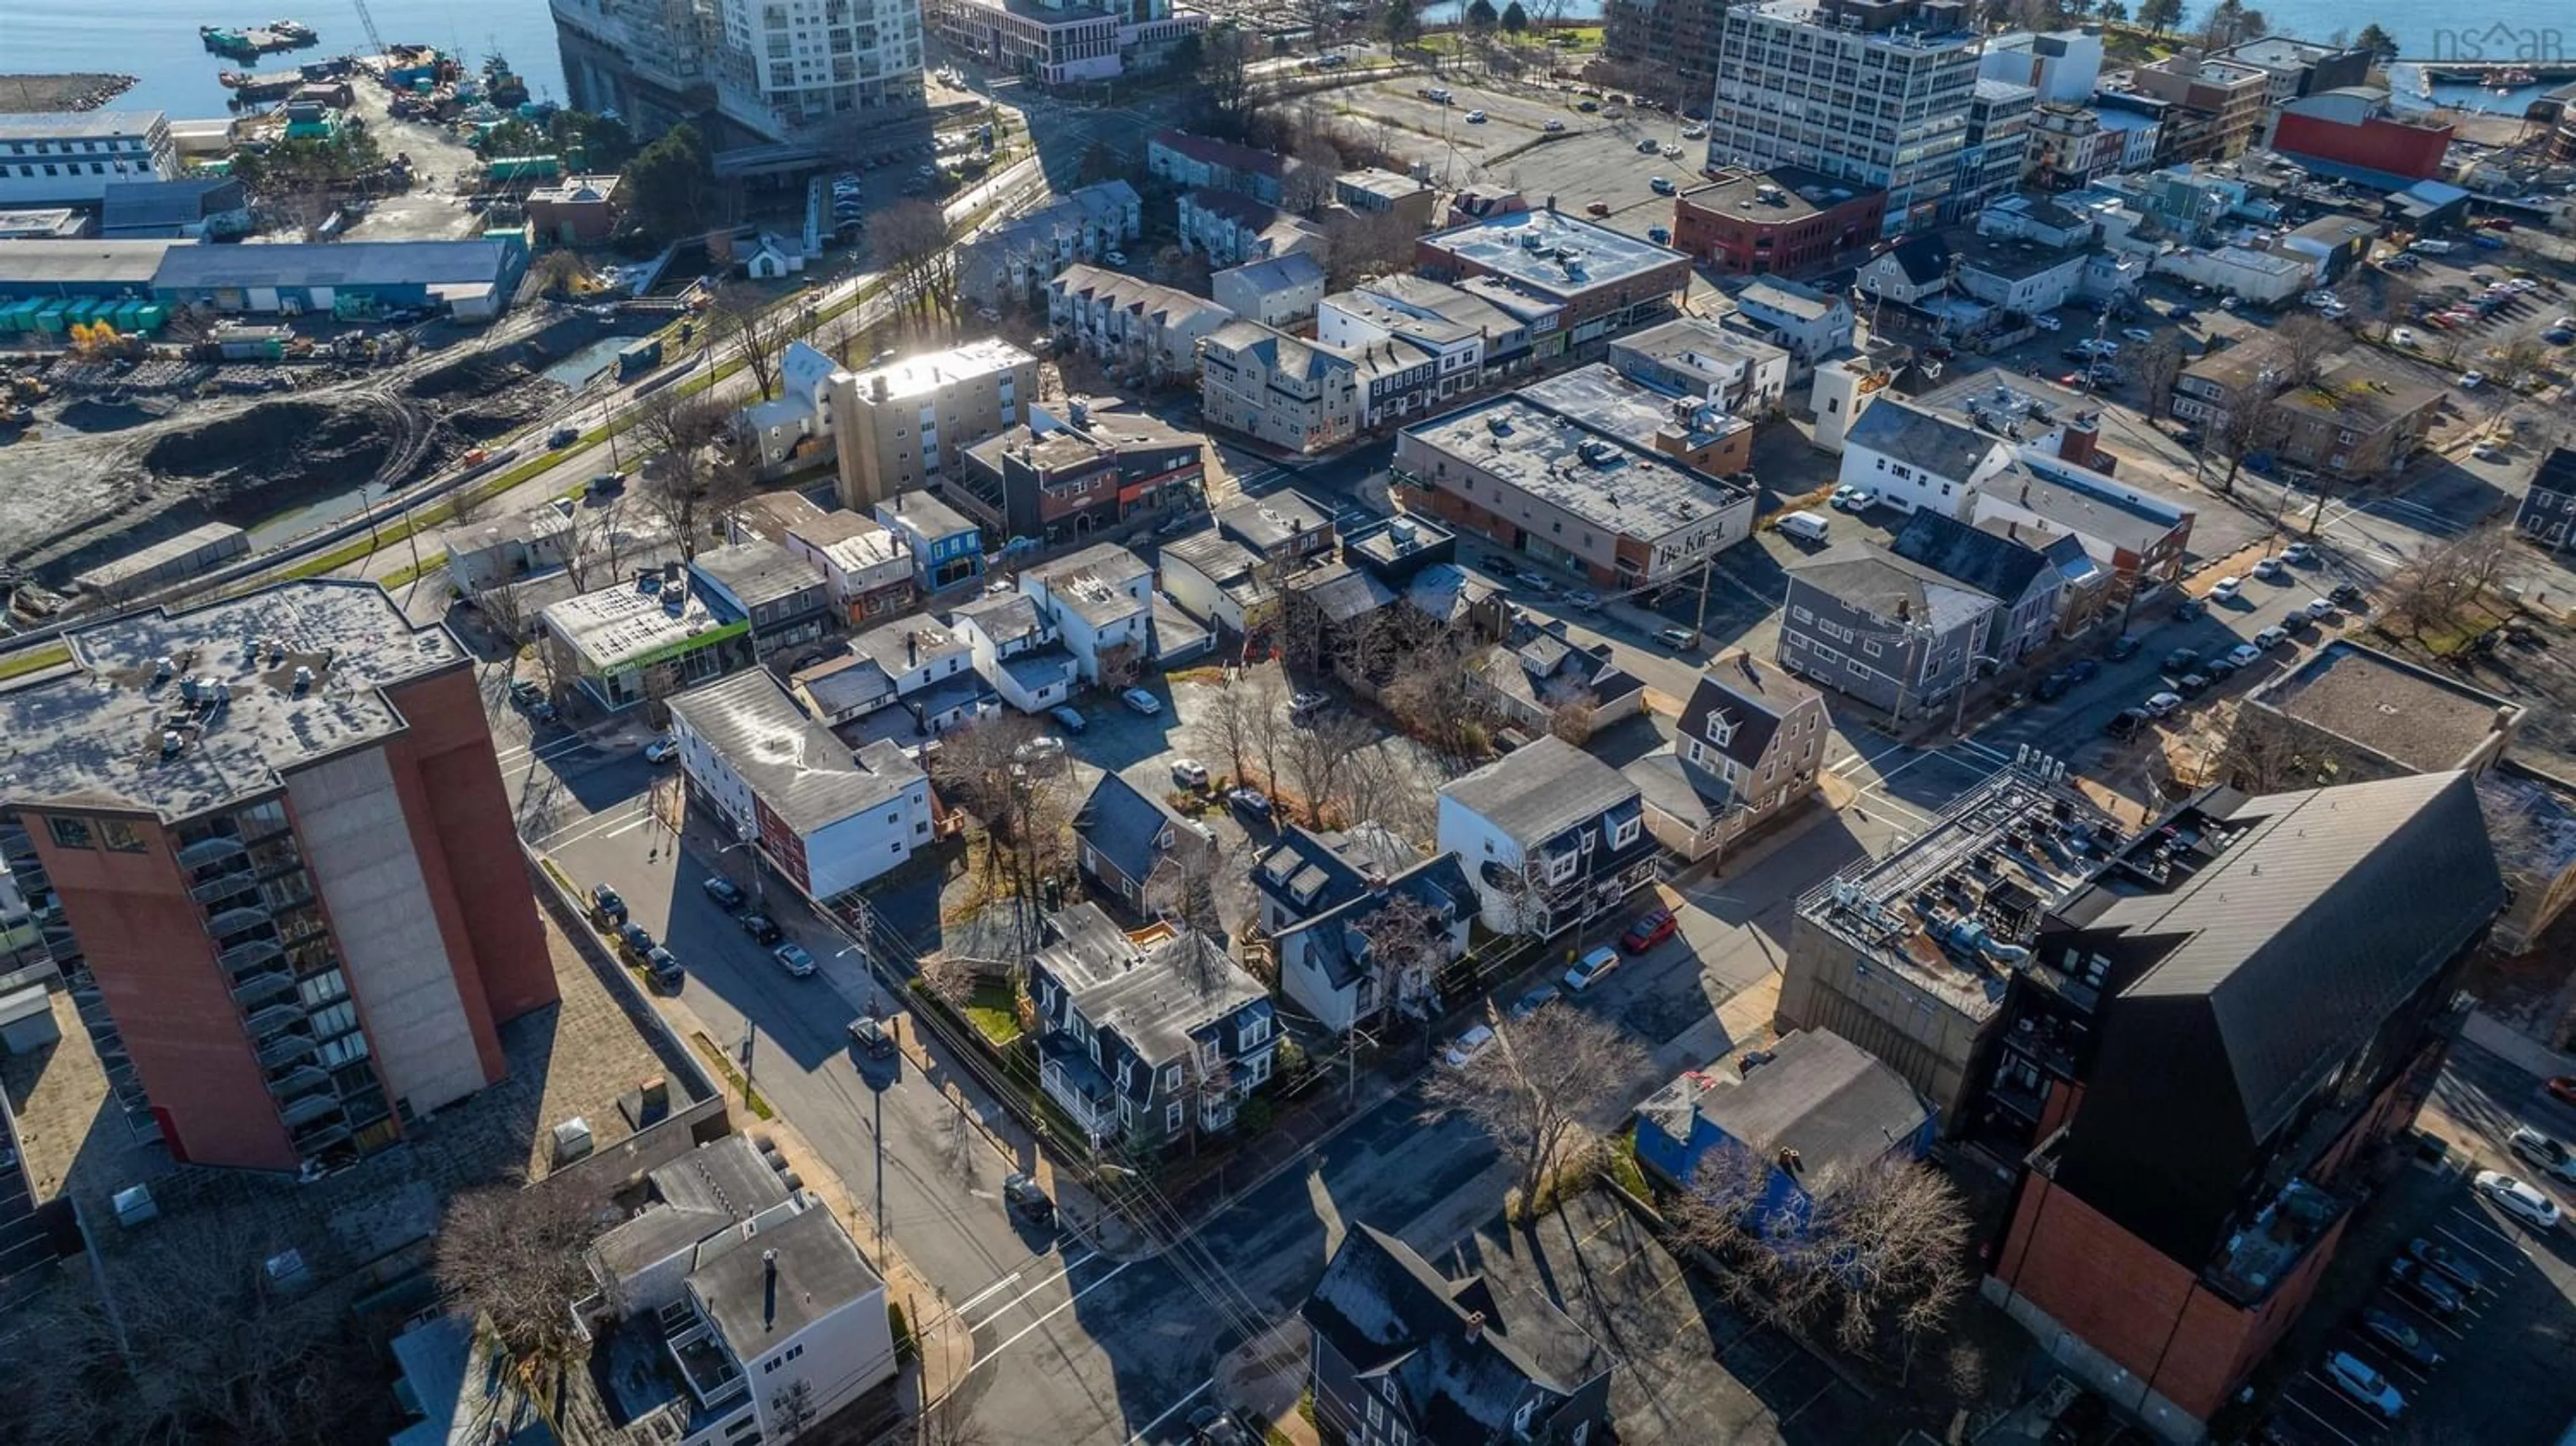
[(277, 830)]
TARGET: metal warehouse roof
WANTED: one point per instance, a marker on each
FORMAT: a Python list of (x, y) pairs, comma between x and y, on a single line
[(90, 263), (348, 263)]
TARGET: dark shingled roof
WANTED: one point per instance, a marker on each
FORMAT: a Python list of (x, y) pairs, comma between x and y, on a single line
[(1394, 1317), (1860, 576), (1997, 566), (2557, 471), (1924, 259), (2271, 967), (1121, 824), (1751, 694)]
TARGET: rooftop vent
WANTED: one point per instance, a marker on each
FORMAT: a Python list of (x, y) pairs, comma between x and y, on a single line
[(171, 743), (303, 679)]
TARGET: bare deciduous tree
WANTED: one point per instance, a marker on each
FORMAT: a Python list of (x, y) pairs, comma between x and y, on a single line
[(758, 330), (1875, 1258), (2439, 582), (686, 485), (2247, 423), (1224, 726), (1431, 696), (2159, 367), (2306, 344), (2260, 755), (1318, 755), (1533, 1090), (187, 1339), (911, 241), (1571, 720), (1408, 940), (516, 1261)]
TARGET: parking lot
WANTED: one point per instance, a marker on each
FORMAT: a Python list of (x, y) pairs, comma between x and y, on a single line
[(1596, 157), (2504, 1351)]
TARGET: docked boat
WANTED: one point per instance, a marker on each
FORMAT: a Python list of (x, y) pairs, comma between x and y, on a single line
[(256, 41)]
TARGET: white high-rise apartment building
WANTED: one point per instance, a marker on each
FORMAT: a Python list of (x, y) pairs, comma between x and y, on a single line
[(791, 68), (1871, 91)]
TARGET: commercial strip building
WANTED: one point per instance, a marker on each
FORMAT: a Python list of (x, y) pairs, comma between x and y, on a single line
[(1875, 95), (827, 819), (1054, 481), (1603, 282), (902, 425), (640, 639), (473, 279), (1545, 484), (276, 829), (1785, 220)]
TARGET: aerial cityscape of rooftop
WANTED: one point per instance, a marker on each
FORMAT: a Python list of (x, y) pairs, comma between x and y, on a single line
[(994, 724)]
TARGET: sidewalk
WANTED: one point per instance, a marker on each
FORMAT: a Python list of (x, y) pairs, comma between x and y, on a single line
[(946, 1345)]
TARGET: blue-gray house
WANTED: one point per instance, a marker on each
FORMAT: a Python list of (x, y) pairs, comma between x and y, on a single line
[(1821, 1109), (1146, 1038)]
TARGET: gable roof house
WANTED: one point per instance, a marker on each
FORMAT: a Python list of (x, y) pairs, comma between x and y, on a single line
[(1322, 897), (1550, 835), (1875, 627), (1016, 650), (1146, 1037), (1101, 601), (1217, 580), (1125, 835), (2023, 580), (1538, 671), (1750, 743), (1918, 459), (2548, 512), (1399, 1351), (2258, 1028)]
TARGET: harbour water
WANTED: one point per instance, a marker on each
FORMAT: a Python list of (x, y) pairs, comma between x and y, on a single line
[(156, 41)]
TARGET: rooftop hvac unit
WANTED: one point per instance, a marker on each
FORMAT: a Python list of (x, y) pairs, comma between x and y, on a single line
[(303, 678)]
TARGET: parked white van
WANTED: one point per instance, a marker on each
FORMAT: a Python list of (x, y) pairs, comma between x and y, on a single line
[(1804, 526)]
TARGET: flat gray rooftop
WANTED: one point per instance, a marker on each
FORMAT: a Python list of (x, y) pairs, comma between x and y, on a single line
[(918, 375), (1625, 492), (623, 621), (100, 736), (2391, 707), (1603, 258), (84, 125)]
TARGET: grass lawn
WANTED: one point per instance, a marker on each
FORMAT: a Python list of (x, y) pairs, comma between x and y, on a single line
[(29, 661), (995, 1012)]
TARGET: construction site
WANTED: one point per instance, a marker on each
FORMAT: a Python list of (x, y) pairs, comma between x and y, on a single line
[(105, 452)]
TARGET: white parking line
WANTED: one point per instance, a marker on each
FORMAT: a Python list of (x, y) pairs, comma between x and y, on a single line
[(1168, 1410), (2320, 1420), (2483, 1223), (1015, 1302), (2504, 1265), (591, 824), (987, 1293), (995, 1353)]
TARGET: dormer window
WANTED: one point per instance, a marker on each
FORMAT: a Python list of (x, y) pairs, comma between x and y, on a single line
[(1721, 729)]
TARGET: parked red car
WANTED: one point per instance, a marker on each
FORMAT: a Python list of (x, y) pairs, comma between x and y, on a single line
[(1649, 931), (2564, 1088)]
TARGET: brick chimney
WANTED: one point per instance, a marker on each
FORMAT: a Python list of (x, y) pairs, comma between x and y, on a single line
[(2082, 435)]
